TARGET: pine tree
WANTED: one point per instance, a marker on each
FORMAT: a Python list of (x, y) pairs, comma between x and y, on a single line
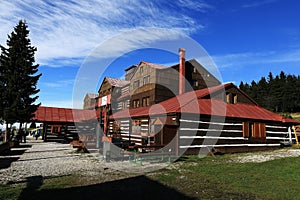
[(19, 76), (279, 94)]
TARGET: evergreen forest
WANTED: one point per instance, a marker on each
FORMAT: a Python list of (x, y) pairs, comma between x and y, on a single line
[(278, 94)]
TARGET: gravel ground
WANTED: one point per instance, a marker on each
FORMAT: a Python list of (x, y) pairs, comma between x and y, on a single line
[(50, 159), (259, 157)]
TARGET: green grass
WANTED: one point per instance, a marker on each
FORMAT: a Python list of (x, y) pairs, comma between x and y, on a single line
[(216, 178), (16, 190), (11, 192)]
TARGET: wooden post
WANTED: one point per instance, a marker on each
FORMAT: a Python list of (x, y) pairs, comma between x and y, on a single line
[(44, 132), (296, 137)]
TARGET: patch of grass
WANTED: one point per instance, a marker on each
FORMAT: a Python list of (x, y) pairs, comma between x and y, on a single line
[(60, 182), (11, 192), (213, 176)]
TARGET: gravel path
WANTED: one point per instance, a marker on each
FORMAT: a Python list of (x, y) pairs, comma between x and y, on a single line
[(50, 159), (259, 157), (36, 158)]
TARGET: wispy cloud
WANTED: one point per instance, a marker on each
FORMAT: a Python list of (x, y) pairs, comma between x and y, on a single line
[(71, 29), (256, 58), (59, 84), (257, 3)]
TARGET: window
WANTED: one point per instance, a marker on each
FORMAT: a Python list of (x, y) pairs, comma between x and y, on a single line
[(146, 101), (146, 80), (55, 129), (136, 127), (195, 70), (136, 84), (231, 98), (254, 130), (136, 103), (141, 70), (234, 98), (195, 83)]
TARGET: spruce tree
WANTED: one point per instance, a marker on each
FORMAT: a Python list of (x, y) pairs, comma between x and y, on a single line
[(19, 76)]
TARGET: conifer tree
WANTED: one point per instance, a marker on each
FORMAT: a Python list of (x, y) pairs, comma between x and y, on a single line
[(19, 77), (279, 93)]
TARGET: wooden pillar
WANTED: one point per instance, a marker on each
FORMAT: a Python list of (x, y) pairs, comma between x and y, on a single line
[(44, 132)]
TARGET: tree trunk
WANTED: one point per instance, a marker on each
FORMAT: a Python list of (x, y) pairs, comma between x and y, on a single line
[(6, 133), (20, 128)]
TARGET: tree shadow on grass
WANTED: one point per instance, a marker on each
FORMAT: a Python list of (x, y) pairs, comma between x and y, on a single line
[(139, 187)]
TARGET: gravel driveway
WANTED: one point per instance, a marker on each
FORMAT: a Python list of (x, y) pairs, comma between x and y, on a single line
[(51, 159)]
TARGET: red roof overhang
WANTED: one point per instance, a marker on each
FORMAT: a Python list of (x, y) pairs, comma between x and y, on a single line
[(63, 115)]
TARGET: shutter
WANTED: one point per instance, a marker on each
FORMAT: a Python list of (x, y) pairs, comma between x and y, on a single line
[(263, 130), (245, 129), (256, 130)]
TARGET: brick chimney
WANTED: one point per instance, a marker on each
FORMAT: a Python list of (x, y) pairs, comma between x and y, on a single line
[(181, 70)]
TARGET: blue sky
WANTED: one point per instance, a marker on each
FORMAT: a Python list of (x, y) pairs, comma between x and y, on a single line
[(246, 39)]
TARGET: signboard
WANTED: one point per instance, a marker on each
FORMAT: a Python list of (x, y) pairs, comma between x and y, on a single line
[(104, 101)]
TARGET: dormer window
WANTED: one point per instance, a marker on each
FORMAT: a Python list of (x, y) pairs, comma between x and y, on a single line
[(195, 83), (231, 98), (195, 70)]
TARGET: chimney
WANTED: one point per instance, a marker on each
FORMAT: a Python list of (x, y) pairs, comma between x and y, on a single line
[(181, 70)]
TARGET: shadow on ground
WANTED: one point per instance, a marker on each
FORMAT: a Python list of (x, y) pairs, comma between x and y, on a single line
[(139, 187), (8, 157)]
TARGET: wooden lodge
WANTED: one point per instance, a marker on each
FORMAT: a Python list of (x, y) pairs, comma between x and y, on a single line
[(185, 108), (221, 117), (180, 109)]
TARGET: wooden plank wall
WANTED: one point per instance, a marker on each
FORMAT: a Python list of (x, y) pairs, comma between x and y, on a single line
[(194, 135)]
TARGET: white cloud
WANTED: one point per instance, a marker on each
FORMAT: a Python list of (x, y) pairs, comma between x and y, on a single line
[(59, 84), (258, 58), (258, 3), (71, 29)]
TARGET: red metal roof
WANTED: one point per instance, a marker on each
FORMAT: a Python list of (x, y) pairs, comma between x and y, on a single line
[(63, 115), (196, 102)]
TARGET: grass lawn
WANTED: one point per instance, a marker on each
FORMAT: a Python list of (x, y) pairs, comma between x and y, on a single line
[(215, 178), (190, 178)]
